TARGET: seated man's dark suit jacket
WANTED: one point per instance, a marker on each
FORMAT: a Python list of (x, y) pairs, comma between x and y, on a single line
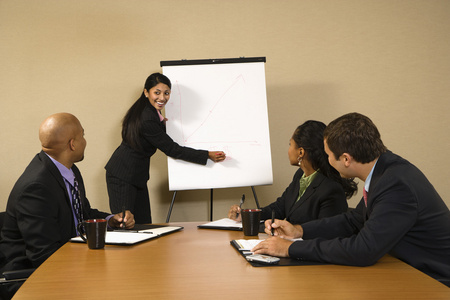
[(323, 198), (39, 217), (405, 217)]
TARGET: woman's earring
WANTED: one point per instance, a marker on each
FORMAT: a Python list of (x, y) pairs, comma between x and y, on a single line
[(299, 161)]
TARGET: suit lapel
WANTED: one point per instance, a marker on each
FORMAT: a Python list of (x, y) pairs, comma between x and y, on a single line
[(55, 172), (377, 172), (58, 177), (310, 190)]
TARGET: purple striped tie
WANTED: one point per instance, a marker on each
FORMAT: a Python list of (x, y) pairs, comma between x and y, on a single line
[(76, 202)]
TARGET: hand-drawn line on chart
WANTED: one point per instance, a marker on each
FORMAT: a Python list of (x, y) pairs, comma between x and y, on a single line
[(238, 79)]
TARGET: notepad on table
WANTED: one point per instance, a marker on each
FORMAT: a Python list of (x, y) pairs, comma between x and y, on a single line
[(246, 245), (224, 223), (133, 237)]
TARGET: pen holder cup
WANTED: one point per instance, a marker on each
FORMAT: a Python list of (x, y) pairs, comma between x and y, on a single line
[(95, 230), (250, 221)]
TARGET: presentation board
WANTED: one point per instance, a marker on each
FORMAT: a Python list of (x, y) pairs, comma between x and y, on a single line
[(219, 104)]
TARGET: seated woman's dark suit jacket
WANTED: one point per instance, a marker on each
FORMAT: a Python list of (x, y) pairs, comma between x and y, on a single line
[(323, 198)]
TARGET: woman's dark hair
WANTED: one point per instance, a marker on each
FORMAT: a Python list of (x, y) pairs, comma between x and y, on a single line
[(132, 122), (309, 136)]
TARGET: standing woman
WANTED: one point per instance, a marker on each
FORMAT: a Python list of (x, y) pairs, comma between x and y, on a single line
[(144, 131)]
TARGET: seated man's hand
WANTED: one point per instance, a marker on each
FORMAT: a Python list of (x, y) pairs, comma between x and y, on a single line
[(235, 213), (283, 228), (116, 221), (273, 246)]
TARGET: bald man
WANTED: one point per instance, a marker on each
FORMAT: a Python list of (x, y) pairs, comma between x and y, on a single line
[(39, 215)]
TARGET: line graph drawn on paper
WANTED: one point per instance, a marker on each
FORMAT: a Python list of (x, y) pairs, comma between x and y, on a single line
[(227, 106), (219, 108)]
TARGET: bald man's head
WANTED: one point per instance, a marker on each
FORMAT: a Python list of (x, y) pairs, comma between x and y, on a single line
[(61, 134)]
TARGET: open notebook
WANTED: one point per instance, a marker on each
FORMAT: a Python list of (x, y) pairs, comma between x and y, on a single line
[(131, 237), (245, 246)]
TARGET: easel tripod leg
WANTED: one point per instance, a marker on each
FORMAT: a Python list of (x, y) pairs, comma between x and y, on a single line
[(256, 198), (171, 206), (211, 207)]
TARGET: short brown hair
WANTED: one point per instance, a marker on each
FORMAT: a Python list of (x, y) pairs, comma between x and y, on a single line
[(356, 135)]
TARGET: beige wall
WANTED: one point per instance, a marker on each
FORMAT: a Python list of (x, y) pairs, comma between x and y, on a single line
[(387, 59)]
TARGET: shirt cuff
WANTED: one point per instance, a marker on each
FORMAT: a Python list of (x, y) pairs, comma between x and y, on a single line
[(107, 221)]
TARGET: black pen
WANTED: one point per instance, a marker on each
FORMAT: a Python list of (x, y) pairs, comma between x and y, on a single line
[(123, 217), (273, 220), (240, 205)]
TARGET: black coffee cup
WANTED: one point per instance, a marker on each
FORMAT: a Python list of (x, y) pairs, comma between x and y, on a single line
[(250, 221), (95, 232)]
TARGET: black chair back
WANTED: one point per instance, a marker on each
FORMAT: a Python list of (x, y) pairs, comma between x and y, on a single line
[(2, 220)]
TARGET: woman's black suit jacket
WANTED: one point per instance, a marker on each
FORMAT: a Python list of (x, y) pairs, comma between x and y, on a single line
[(133, 166), (323, 198)]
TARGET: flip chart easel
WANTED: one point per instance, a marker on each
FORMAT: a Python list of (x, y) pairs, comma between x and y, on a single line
[(219, 105), (211, 204)]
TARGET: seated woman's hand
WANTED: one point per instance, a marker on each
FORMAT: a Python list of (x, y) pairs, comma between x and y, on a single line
[(235, 213)]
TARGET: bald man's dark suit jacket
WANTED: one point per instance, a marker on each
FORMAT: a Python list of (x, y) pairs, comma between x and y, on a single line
[(405, 217), (39, 217), (323, 198)]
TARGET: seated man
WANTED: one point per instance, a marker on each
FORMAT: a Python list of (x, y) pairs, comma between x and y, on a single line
[(401, 213), (40, 216)]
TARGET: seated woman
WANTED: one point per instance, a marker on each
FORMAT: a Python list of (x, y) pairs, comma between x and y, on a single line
[(317, 190)]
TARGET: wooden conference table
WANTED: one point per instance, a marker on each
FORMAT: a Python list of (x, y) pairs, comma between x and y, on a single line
[(201, 264)]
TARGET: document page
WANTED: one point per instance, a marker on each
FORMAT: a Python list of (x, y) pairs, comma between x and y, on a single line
[(161, 230), (223, 223), (127, 237), (247, 245), (130, 237), (122, 238)]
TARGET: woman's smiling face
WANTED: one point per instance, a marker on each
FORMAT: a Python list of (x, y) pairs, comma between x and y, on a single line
[(158, 95)]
